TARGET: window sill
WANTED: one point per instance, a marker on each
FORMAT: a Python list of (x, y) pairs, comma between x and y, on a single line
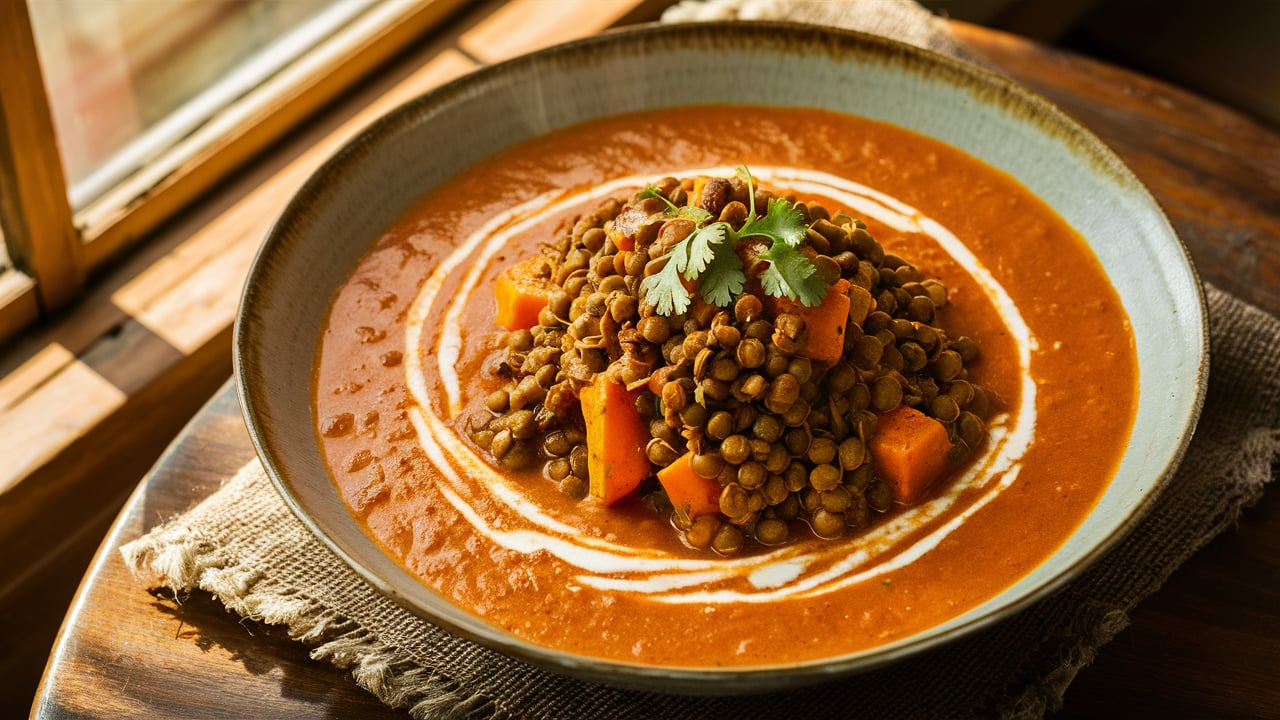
[(89, 402)]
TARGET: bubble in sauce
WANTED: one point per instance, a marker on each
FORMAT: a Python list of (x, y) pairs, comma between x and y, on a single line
[(338, 425)]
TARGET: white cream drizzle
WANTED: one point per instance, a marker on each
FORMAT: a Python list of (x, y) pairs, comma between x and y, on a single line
[(610, 566)]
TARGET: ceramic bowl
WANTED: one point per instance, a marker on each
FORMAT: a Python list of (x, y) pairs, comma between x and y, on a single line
[(338, 213)]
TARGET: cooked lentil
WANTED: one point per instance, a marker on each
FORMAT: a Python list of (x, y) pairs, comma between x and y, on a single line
[(784, 436)]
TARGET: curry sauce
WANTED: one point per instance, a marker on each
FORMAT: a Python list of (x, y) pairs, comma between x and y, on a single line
[(407, 353)]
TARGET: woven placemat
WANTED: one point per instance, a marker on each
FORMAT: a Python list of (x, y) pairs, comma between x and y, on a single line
[(245, 547)]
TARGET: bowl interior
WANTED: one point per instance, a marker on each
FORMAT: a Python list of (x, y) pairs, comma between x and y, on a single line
[(341, 210)]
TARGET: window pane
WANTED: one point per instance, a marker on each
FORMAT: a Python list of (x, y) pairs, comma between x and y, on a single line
[(127, 78)]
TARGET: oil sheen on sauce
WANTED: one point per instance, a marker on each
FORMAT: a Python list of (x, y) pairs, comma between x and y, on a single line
[(404, 360)]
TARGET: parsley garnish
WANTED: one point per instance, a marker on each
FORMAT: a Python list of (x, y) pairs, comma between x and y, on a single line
[(709, 257)]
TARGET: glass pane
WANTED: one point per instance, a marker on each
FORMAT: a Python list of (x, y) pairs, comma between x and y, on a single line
[(127, 78)]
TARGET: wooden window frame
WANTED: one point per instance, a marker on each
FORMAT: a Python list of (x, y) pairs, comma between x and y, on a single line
[(54, 247), (91, 398), (36, 215)]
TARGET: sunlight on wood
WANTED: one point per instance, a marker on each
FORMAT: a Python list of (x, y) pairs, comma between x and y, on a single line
[(526, 25), (40, 235), (33, 373), (39, 422), (251, 123), (191, 295), (18, 305)]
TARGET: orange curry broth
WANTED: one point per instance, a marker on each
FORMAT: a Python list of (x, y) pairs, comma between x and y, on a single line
[(1085, 370)]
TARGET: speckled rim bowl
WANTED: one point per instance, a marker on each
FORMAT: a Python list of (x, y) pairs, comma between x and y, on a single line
[(338, 213)]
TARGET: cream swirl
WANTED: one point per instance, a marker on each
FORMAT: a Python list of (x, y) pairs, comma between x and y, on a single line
[(789, 571)]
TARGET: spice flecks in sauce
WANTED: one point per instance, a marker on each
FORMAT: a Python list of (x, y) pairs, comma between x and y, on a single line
[(649, 570), (807, 600)]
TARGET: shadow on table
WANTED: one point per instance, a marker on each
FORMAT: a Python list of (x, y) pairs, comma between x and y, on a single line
[(206, 623)]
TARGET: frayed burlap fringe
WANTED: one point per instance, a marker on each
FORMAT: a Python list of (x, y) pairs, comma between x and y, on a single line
[(194, 552), (244, 547)]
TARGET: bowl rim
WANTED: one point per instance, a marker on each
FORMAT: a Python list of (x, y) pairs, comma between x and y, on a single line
[(695, 679)]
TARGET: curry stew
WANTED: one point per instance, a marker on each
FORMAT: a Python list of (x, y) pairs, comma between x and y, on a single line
[(742, 362), (455, 406)]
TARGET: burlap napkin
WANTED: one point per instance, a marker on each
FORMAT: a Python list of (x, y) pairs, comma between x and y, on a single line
[(246, 548)]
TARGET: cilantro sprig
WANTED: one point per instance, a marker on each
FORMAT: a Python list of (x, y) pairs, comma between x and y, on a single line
[(709, 257)]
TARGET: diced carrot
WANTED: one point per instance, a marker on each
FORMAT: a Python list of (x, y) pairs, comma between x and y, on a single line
[(522, 291), (687, 489), (616, 439), (624, 228), (620, 241), (825, 323), (909, 450)]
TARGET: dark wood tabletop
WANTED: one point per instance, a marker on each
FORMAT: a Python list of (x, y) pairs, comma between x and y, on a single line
[(1207, 644)]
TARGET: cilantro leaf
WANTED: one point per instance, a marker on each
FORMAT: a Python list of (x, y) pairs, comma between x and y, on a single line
[(665, 290), (792, 275), (782, 222), (701, 248), (688, 212), (709, 257), (694, 213), (723, 279)]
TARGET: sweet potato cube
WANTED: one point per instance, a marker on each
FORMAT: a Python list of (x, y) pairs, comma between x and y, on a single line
[(909, 450), (687, 489), (521, 291), (616, 439), (825, 324)]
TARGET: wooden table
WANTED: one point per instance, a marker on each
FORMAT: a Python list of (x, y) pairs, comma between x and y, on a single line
[(1206, 645)]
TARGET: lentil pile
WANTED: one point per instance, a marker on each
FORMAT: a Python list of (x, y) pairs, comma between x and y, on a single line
[(785, 437)]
